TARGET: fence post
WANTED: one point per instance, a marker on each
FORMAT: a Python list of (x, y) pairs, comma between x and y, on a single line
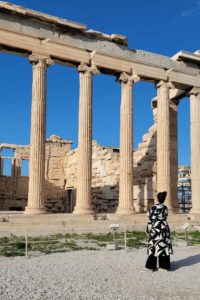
[(125, 243), (26, 243)]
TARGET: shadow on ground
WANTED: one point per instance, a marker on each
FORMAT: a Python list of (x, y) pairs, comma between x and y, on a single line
[(186, 262)]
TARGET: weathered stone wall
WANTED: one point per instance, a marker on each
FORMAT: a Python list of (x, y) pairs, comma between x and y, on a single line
[(145, 171), (14, 188), (55, 194), (61, 176), (105, 176)]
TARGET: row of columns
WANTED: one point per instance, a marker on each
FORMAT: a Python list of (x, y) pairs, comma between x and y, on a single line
[(167, 165)]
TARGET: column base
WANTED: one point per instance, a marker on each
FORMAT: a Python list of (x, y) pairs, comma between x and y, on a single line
[(125, 211), (83, 211), (194, 215), (194, 211), (174, 210), (35, 211)]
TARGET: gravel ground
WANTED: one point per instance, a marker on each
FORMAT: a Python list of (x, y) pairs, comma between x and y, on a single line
[(100, 274)]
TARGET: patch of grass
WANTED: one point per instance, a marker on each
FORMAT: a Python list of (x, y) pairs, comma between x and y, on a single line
[(4, 240), (177, 235), (15, 246), (90, 248), (135, 243), (19, 245), (11, 253), (100, 237), (102, 244), (136, 234), (194, 235), (50, 251)]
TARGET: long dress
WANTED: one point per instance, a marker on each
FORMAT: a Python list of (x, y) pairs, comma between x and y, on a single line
[(159, 243)]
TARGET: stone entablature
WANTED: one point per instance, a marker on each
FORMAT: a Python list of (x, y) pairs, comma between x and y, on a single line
[(67, 41)]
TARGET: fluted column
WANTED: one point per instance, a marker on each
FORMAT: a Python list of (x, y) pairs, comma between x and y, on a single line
[(84, 166), (173, 111), (1, 166), (38, 136), (166, 151), (195, 148), (126, 145)]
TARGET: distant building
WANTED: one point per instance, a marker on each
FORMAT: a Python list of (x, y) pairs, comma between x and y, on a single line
[(184, 188)]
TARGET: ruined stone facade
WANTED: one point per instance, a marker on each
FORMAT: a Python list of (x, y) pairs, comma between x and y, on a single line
[(61, 176), (14, 188)]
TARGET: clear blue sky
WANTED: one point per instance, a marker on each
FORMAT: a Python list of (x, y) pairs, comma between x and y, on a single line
[(160, 26)]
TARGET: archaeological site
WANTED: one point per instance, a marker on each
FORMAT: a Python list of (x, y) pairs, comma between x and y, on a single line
[(95, 182)]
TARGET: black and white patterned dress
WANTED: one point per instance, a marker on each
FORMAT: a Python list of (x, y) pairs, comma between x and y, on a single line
[(159, 243)]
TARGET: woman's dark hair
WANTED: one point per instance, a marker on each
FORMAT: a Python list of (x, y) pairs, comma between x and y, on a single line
[(161, 197)]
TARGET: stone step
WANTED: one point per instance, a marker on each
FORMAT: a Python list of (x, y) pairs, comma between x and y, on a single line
[(82, 228), (72, 217), (25, 218), (63, 223)]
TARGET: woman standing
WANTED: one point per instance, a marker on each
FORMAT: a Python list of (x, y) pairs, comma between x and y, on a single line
[(159, 243)]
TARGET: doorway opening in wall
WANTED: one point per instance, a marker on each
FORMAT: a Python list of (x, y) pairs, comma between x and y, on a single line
[(70, 202), (184, 179), (16, 208)]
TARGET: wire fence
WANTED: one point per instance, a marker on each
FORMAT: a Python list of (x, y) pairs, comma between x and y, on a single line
[(29, 242), (34, 242)]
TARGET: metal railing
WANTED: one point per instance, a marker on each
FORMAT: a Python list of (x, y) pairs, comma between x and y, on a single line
[(184, 198)]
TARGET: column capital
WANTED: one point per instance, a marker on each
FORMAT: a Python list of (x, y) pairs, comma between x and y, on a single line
[(166, 84), (126, 78), (37, 59), (84, 68), (194, 91)]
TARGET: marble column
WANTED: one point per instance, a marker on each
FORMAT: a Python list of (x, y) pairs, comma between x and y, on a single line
[(195, 148), (125, 205), (1, 166), (84, 166), (167, 168), (38, 136), (173, 112)]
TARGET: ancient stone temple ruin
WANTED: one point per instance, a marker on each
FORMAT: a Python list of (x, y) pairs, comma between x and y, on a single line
[(94, 177), (61, 176)]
